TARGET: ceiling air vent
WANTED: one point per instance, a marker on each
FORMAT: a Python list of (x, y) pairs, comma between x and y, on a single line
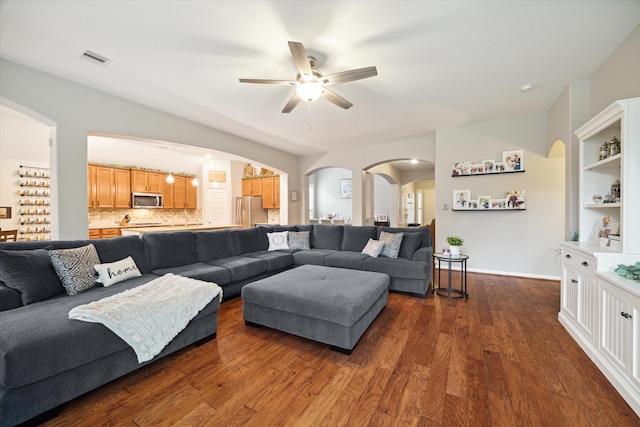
[(95, 58)]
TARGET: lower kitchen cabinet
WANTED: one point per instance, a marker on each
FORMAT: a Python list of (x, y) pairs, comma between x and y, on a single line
[(601, 311), (104, 233)]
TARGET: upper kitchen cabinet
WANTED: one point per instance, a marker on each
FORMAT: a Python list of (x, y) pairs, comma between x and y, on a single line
[(109, 188), (252, 187), (167, 193), (184, 194), (271, 192), (146, 182)]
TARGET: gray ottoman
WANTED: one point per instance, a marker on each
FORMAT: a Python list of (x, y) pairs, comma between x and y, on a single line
[(334, 306)]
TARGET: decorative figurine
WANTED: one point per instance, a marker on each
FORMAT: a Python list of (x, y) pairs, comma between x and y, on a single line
[(615, 191), (604, 150), (614, 146)]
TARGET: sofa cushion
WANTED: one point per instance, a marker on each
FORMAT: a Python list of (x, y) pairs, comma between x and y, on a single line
[(299, 240), (117, 248), (398, 267), (241, 267), (31, 273), (373, 248), (200, 271), (356, 237), (285, 228), (312, 256), (275, 260), (410, 244), (424, 231), (345, 259), (171, 249), (41, 341), (9, 298), (392, 242), (214, 245), (114, 272), (327, 237), (248, 240), (74, 267), (278, 241)]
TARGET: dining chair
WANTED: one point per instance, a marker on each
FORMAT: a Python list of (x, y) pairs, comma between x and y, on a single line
[(8, 235)]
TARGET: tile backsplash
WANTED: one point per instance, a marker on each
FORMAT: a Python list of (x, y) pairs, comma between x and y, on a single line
[(111, 217)]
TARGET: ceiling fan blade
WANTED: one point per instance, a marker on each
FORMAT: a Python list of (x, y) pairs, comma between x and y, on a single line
[(301, 58), (268, 81), (336, 99), (349, 76), (295, 99)]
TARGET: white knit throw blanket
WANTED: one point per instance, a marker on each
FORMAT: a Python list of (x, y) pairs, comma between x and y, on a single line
[(149, 316)]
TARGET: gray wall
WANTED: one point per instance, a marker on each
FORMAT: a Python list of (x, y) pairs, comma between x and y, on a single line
[(77, 110)]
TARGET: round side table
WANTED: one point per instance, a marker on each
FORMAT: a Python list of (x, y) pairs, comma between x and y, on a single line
[(449, 291)]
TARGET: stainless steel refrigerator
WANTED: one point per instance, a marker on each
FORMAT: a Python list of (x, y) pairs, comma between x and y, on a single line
[(249, 211)]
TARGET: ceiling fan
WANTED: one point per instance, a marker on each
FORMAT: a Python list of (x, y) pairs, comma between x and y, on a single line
[(310, 84)]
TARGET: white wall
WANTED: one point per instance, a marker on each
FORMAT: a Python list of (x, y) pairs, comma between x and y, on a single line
[(381, 195), (328, 192), (77, 110), (23, 141), (521, 242)]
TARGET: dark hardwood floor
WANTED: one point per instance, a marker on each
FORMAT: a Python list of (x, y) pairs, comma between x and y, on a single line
[(498, 359)]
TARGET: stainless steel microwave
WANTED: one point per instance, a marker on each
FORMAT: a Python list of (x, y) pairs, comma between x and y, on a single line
[(146, 200)]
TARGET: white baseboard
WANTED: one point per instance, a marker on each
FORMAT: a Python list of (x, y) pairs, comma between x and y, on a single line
[(502, 273)]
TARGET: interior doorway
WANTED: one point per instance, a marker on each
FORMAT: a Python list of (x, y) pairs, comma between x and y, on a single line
[(217, 210)]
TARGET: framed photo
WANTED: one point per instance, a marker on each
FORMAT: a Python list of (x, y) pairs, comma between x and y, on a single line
[(498, 167), (5, 212), (382, 217), (477, 168), (513, 160), (461, 199), (346, 190), (484, 202), (515, 199), (473, 204), (498, 203), (488, 165), (461, 169)]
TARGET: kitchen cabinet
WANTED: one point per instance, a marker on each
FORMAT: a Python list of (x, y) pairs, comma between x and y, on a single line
[(271, 192), (252, 187), (578, 298), (167, 193), (146, 182), (109, 187), (104, 233), (184, 193)]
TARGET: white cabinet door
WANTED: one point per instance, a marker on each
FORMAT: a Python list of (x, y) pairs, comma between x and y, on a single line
[(635, 343), (616, 324), (579, 293), (569, 297)]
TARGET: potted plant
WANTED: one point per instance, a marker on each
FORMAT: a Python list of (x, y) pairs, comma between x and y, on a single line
[(454, 245)]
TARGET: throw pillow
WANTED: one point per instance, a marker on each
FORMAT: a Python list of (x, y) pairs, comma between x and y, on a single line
[(410, 244), (392, 242), (278, 241), (114, 272), (75, 267), (373, 248), (299, 240), (30, 272)]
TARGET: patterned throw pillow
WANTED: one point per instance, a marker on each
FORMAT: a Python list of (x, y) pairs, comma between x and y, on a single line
[(299, 240), (373, 248), (278, 241), (392, 242), (114, 272), (75, 267)]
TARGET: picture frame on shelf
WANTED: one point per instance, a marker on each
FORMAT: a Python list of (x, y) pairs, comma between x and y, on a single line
[(515, 199), (5, 212), (461, 199), (513, 160), (461, 168), (484, 202), (499, 167), (473, 204), (382, 217), (498, 203), (477, 168), (488, 165)]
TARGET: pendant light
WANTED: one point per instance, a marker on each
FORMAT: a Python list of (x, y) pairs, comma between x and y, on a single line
[(195, 181)]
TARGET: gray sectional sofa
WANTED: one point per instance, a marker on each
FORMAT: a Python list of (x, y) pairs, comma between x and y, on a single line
[(47, 359)]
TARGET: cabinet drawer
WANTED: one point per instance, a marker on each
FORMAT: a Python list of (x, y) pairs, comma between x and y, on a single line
[(94, 233), (110, 232), (579, 260)]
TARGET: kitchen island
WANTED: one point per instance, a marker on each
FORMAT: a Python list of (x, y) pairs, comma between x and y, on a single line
[(139, 231)]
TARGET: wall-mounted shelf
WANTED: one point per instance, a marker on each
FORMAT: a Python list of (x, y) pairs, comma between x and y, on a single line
[(489, 209), (486, 173), (34, 209)]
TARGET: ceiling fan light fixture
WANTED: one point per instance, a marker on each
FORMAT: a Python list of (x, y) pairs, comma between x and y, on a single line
[(309, 90)]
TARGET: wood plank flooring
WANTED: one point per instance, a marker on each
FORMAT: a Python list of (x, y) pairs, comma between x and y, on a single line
[(498, 359)]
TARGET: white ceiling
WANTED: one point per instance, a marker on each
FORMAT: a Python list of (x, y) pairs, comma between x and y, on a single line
[(440, 63)]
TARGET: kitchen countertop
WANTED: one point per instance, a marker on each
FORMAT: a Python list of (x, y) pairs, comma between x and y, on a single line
[(160, 229)]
